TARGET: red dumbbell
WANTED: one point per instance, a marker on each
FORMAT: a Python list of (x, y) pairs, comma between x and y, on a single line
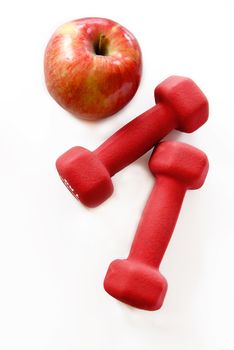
[(136, 280), (180, 105)]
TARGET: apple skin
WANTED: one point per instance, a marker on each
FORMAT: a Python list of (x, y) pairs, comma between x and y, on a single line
[(91, 84)]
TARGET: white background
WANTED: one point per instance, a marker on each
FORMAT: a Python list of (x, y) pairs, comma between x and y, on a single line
[(53, 251)]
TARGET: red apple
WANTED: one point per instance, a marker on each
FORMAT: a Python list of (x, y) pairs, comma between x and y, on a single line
[(92, 67)]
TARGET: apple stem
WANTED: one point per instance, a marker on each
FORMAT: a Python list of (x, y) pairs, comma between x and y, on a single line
[(100, 47), (100, 42)]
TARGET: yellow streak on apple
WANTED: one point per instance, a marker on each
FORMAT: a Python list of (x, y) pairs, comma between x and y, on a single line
[(93, 93), (114, 29), (67, 29)]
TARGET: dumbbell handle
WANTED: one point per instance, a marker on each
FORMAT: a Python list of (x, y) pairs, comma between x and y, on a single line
[(158, 221), (136, 138)]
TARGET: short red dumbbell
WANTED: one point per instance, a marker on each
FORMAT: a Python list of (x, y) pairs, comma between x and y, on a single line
[(136, 280), (180, 105)]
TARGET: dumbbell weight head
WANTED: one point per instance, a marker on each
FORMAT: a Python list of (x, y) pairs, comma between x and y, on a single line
[(186, 100), (136, 284), (185, 163), (80, 168)]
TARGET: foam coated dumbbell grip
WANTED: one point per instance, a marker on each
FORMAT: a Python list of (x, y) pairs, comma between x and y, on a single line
[(136, 138), (180, 105), (136, 280)]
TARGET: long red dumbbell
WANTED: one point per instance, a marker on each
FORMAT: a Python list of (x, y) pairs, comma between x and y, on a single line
[(180, 105), (136, 280)]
